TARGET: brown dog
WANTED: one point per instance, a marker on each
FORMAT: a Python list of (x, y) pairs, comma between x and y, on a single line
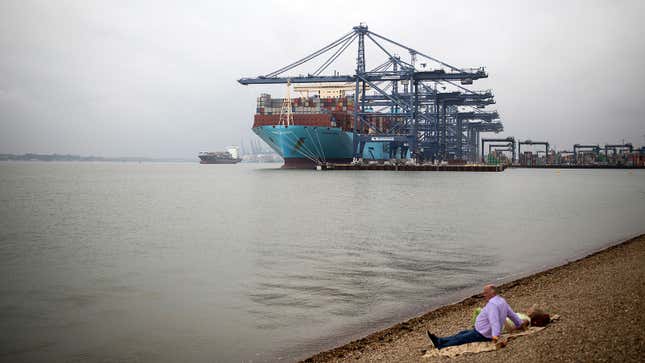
[(538, 317)]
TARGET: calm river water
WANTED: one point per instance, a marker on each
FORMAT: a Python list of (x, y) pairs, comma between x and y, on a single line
[(188, 262)]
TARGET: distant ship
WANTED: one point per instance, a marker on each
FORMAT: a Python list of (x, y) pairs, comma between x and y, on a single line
[(220, 157)]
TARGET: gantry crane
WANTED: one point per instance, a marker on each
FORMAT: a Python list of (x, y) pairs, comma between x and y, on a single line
[(501, 147), (469, 148), (530, 143), (423, 119), (508, 142), (577, 147), (474, 130), (616, 147)]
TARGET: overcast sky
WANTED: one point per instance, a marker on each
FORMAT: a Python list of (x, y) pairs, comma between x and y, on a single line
[(158, 78)]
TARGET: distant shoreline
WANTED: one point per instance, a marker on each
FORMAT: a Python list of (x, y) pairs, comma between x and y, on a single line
[(70, 157), (560, 290)]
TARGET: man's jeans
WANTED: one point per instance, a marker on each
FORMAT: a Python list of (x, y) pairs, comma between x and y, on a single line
[(463, 337)]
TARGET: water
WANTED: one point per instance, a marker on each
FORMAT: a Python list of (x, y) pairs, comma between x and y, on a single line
[(188, 262)]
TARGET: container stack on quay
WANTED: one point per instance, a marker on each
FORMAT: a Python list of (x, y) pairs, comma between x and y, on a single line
[(637, 159)]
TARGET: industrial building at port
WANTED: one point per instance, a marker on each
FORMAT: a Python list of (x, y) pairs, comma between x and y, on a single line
[(411, 109)]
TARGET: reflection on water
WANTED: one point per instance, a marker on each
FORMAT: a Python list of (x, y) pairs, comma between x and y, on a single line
[(175, 262)]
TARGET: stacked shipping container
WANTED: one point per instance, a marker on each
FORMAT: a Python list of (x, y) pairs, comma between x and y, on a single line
[(272, 106), (314, 111)]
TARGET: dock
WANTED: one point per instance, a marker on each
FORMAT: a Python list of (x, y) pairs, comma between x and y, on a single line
[(412, 167), (465, 167), (577, 166)]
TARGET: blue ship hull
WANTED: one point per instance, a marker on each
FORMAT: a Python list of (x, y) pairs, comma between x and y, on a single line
[(305, 146)]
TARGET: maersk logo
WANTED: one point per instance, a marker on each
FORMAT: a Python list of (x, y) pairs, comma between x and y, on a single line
[(376, 138)]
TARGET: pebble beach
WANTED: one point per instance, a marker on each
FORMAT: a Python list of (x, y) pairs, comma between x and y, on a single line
[(599, 299)]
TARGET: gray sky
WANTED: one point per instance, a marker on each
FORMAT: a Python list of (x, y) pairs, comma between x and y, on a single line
[(158, 79)]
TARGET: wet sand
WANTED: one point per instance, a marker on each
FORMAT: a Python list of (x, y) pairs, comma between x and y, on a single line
[(600, 299)]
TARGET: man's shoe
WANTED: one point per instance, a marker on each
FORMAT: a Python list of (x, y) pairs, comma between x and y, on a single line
[(433, 339)]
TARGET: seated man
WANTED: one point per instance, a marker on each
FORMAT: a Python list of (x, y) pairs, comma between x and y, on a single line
[(488, 325), (509, 325)]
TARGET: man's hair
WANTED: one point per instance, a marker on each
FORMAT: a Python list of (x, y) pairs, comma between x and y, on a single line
[(493, 288)]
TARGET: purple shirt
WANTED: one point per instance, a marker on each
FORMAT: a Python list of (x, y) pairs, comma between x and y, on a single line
[(490, 320)]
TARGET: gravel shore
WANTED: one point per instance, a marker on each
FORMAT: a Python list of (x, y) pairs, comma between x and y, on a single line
[(600, 299)]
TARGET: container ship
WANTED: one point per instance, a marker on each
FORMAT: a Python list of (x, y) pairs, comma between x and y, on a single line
[(309, 131), (230, 156)]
